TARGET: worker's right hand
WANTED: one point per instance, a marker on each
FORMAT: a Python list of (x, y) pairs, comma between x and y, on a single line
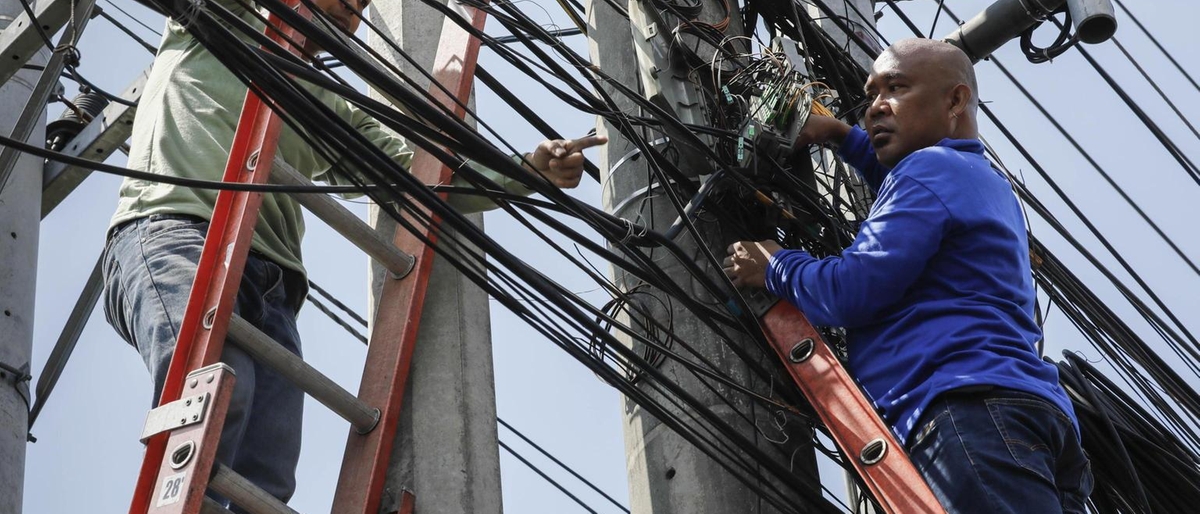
[(820, 130), (561, 160)]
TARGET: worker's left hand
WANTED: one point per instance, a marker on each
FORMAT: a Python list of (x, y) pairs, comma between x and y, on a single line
[(746, 264), (561, 160)]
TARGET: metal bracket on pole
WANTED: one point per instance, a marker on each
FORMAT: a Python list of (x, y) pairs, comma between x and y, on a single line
[(67, 340), (99, 139), (653, 52), (41, 92), (21, 39), (1094, 20)]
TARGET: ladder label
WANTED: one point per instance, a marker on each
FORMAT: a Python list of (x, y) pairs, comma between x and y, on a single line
[(172, 489)]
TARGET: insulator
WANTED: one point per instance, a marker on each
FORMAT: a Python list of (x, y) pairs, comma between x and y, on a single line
[(90, 104)]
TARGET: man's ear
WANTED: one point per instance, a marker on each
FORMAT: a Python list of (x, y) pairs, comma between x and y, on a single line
[(960, 100)]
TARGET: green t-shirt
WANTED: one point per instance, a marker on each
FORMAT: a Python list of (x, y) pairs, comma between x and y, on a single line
[(184, 127)]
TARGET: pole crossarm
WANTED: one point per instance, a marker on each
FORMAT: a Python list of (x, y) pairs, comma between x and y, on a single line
[(35, 108), (22, 39), (98, 140)]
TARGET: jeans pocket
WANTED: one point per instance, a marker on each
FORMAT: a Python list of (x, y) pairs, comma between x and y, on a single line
[(1031, 429), (275, 292), (261, 288)]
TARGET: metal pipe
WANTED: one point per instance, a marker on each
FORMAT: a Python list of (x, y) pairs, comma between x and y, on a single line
[(210, 506), (345, 222), (1095, 20), (263, 349), (245, 494), (998, 24), (67, 340)]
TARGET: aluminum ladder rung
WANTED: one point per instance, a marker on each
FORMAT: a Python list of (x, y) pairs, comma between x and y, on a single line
[(343, 221), (244, 494), (210, 506), (267, 351)]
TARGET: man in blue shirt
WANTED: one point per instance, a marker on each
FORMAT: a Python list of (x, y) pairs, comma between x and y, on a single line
[(937, 296)]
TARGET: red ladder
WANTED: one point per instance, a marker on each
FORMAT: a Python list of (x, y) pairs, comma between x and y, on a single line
[(195, 395), (860, 433)]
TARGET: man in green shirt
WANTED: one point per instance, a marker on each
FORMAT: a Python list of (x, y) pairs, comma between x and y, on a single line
[(184, 127)]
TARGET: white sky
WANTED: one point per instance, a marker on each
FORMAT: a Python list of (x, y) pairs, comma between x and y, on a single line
[(87, 455)]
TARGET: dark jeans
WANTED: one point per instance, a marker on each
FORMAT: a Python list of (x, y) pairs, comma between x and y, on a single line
[(1001, 451), (149, 266)]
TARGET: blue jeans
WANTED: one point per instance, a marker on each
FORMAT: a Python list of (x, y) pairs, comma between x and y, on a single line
[(149, 266), (1001, 451)]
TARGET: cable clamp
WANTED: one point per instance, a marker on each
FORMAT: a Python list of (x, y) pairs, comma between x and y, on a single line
[(19, 377)]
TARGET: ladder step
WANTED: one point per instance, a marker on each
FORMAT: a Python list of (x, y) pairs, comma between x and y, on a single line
[(345, 222), (210, 506), (245, 494), (266, 350)]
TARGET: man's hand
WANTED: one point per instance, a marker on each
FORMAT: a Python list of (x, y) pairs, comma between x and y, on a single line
[(746, 264), (822, 129), (561, 160)]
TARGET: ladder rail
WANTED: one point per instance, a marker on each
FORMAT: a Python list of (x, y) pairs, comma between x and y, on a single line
[(857, 429), (209, 319), (222, 260), (394, 331)]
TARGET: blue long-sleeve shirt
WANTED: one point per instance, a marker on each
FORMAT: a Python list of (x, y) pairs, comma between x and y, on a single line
[(935, 291)]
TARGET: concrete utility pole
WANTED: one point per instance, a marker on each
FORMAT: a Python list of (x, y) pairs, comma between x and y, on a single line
[(667, 474), (859, 15), (446, 446), (20, 214)]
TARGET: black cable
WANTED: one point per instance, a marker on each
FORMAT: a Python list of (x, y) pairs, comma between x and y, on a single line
[(937, 13), (556, 319), (564, 466), (1158, 45), (134, 18), (337, 319), (72, 72), (1163, 138), (547, 478), (150, 48), (1157, 89)]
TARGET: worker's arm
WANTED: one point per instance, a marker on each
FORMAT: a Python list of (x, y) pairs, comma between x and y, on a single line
[(853, 146), (891, 251), (559, 161)]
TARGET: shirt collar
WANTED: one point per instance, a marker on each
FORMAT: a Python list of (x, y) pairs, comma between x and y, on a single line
[(963, 145)]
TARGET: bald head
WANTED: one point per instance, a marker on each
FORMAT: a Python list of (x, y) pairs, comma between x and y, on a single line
[(938, 60), (921, 91)]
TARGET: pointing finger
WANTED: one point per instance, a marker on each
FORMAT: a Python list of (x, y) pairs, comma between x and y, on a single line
[(580, 144)]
